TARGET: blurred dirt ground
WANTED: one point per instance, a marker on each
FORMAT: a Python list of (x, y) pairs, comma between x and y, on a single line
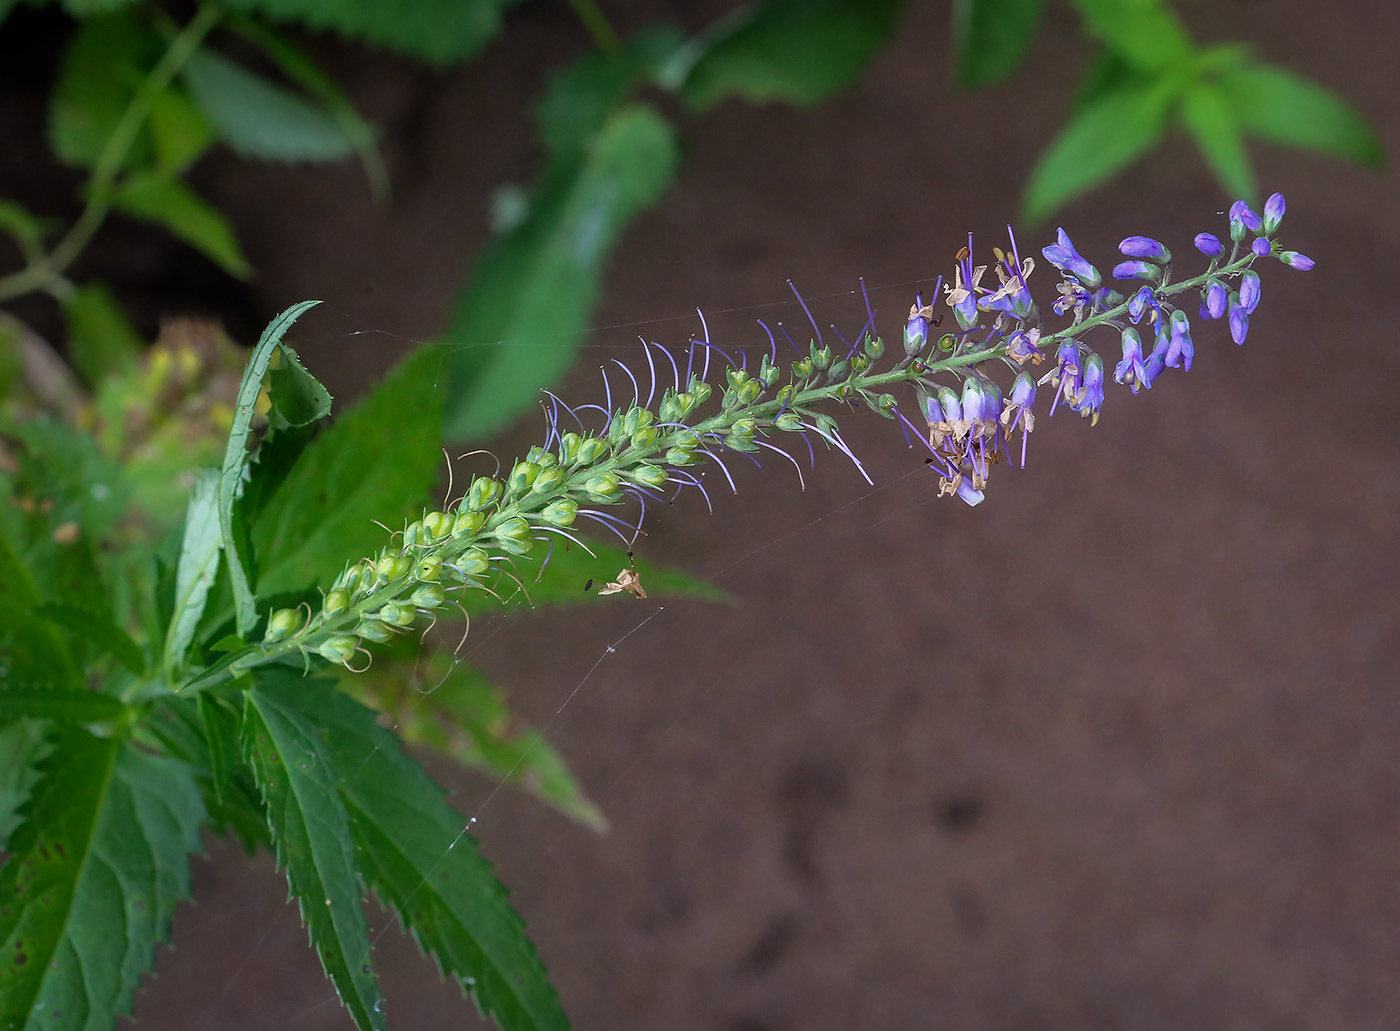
[(1117, 749)]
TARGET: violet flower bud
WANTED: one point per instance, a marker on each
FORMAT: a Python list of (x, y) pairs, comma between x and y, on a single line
[(1239, 321), (933, 411), (1145, 247), (1064, 257), (1249, 292), (1242, 217), (1137, 270), (1295, 260), (952, 407), (973, 400), (1209, 245), (1217, 299), (1261, 246), (1274, 208), (916, 329)]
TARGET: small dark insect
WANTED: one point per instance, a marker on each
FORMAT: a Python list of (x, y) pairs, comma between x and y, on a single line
[(588, 586)]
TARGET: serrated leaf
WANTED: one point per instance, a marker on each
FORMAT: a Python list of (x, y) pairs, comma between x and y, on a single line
[(1206, 113), (990, 37), (23, 743), (311, 830), (95, 873), (418, 858), (98, 628), (158, 197), (1146, 33), (435, 31), (519, 323), (800, 51), (258, 118), (1276, 105), (199, 564), (101, 70), (101, 341), (31, 649), (1100, 140), (295, 397), (236, 460)]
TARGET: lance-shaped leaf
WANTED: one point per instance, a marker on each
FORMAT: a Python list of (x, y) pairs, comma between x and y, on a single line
[(801, 51), (98, 628), (1206, 113), (311, 830), (105, 62), (1147, 34), (96, 869), (1102, 138), (518, 326), (258, 118), (990, 37), (161, 198), (231, 477), (417, 856), (199, 563), (1276, 105)]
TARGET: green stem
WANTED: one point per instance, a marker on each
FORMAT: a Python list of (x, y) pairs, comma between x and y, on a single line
[(596, 22), (49, 269)]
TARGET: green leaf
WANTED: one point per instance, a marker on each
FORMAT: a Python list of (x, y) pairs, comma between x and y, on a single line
[(801, 51), (436, 31), (236, 460), (1100, 140), (311, 829), (221, 735), (98, 628), (31, 648), (101, 71), (296, 397), (377, 461), (180, 131), (23, 744), (95, 872), (1274, 104), (67, 705), (1146, 33), (418, 858), (519, 323), (258, 118), (199, 564), (101, 342), (166, 201), (990, 37), (1205, 111), (25, 228)]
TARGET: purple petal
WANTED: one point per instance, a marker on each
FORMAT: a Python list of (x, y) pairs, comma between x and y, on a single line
[(1239, 323), (1261, 246), (1209, 245), (1249, 292), (1217, 299), (1274, 208), (1295, 260), (1136, 270), (1145, 247), (1242, 212)]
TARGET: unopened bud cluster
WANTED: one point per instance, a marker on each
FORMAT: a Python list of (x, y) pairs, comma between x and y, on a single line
[(643, 449)]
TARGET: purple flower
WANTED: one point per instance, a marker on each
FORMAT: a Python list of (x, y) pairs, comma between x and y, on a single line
[(952, 407), (1181, 350), (962, 295), (1137, 270), (1155, 364), (1242, 217), (1140, 300), (1068, 374), (974, 398), (1014, 296), (1065, 258), (1274, 208), (1209, 245), (1018, 410), (1131, 369), (1022, 348), (1145, 247), (1217, 299), (916, 329), (1261, 246), (1249, 292), (1239, 321), (1089, 398), (1295, 260), (933, 411)]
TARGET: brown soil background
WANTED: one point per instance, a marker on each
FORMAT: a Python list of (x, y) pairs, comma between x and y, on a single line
[(1115, 750)]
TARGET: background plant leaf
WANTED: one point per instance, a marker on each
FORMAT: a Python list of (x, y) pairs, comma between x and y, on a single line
[(1275, 105), (98, 628), (1206, 113), (65, 704), (518, 325), (101, 70), (1145, 33), (31, 648), (311, 831), (23, 743), (179, 130), (418, 858), (800, 51), (990, 37), (160, 198), (97, 867), (101, 341), (258, 118)]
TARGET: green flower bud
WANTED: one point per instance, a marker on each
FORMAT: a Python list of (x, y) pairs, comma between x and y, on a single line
[(843, 391), (768, 373), (825, 423), (650, 475), (802, 368), (336, 602), (645, 439), (592, 451), (874, 347), (482, 494), (737, 377), (368, 577), (682, 454), (860, 363), (515, 535), (700, 391), (568, 448), (741, 435), (542, 458), (789, 422), (947, 342), (436, 526), (348, 578), (604, 487), (821, 356), (560, 513), (340, 648), (372, 629), (548, 480), (397, 614), (429, 596), (467, 524), (521, 477), (885, 405), (672, 408), (413, 534), (786, 394), (429, 569), (391, 567), (748, 392), (838, 371), (282, 624), (473, 562)]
